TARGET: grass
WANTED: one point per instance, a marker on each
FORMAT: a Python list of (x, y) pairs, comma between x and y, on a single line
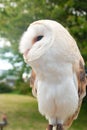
[(22, 113)]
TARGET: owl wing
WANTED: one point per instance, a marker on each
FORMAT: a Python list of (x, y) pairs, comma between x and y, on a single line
[(33, 83), (81, 82)]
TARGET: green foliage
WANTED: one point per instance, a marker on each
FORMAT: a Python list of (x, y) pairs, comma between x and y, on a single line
[(5, 88), (16, 15), (23, 88)]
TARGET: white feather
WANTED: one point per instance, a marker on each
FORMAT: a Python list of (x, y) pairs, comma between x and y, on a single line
[(52, 59)]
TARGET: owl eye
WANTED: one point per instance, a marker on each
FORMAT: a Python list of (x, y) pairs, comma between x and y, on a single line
[(39, 38)]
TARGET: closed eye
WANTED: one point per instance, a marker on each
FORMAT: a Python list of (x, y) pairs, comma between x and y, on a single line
[(39, 38)]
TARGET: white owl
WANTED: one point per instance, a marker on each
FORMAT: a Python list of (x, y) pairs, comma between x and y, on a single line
[(58, 79)]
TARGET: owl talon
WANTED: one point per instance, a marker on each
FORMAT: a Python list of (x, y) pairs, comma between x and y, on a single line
[(50, 127), (59, 127)]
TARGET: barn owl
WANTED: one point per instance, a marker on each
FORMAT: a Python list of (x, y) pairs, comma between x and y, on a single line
[(58, 79)]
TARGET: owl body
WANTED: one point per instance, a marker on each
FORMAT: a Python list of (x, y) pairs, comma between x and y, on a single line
[(56, 93), (59, 80), (55, 81)]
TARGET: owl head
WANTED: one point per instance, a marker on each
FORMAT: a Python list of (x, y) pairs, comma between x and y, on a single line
[(46, 37), (36, 40)]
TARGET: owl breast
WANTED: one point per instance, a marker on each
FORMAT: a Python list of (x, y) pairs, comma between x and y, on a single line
[(56, 93), (57, 100)]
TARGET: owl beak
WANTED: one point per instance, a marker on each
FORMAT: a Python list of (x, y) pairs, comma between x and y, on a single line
[(26, 53)]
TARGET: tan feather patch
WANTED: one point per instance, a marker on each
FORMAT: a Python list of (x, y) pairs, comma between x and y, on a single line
[(82, 82), (32, 83)]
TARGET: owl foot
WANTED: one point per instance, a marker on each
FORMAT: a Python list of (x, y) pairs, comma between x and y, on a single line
[(50, 127), (59, 127)]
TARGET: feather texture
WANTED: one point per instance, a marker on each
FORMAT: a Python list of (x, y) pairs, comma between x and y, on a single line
[(58, 78)]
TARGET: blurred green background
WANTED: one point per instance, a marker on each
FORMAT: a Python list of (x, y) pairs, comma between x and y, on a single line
[(15, 17)]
